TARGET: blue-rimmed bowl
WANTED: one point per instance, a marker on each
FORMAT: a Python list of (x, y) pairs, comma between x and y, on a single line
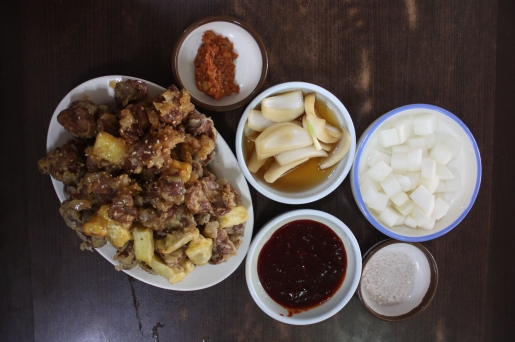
[(468, 164)]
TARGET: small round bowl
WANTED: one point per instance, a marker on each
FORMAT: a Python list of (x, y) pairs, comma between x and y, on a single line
[(251, 64), (342, 168), (426, 282), (468, 163), (337, 301)]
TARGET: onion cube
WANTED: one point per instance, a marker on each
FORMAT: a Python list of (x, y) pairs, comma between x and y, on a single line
[(428, 169), (379, 171), (391, 186), (399, 199), (389, 217), (416, 142), (377, 156), (414, 177), (415, 159), (441, 187), (441, 208), (430, 184), (420, 216), (400, 220), (401, 149), (399, 162), (443, 172), (403, 127), (410, 222), (405, 182), (454, 145), (430, 140), (388, 137), (424, 199), (373, 198), (406, 208), (441, 154), (424, 124), (429, 224), (454, 185)]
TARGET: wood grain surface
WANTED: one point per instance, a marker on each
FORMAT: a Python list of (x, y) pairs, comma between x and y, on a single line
[(373, 55)]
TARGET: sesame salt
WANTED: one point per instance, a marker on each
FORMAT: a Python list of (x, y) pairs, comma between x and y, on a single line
[(389, 277)]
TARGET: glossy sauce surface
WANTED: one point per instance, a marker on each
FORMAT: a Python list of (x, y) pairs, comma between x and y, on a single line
[(302, 265)]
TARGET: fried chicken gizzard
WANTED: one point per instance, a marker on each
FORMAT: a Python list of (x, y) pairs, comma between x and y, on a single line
[(135, 175)]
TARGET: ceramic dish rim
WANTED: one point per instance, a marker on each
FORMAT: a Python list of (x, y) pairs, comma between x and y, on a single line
[(428, 297), (355, 173), (232, 20)]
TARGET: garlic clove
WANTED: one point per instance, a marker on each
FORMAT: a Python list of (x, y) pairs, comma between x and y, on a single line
[(284, 107)]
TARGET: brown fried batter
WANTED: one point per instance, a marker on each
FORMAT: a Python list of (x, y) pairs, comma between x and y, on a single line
[(80, 118), (66, 163), (144, 163)]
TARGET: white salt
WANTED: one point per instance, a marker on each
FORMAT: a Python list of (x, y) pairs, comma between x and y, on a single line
[(389, 277)]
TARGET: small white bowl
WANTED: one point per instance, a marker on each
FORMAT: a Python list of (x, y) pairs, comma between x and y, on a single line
[(468, 164), (251, 64), (426, 282), (342, 168), (337, 301)]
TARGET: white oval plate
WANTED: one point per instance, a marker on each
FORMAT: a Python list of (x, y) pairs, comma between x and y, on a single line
[(224, 165)]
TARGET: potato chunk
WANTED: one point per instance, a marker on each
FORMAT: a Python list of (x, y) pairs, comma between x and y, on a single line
[(109, 148), (187, 265), (177, 239), (143, 243), (173, 274), (236, 216), (199, 250), (100, 224)]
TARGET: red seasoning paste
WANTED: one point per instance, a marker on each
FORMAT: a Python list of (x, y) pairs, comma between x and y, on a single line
[(302, 265), (214, 66)]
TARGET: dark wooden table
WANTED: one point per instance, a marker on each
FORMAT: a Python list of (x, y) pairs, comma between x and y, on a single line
[(373, 55)]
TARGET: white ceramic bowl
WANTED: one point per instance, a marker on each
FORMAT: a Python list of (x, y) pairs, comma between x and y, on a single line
[(342, 168), (426, 282), (337, 301), (468, 163), (251, 64)]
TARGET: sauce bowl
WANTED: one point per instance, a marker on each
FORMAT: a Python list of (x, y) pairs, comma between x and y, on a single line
[(339, 299), (339, 171), (251, 64)]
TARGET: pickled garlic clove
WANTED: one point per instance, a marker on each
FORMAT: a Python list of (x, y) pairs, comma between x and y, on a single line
[(297, 154), (319, 125), (281, 137), (284, 107), (257, 121), (275, 171), (254, 164), (250, 133), (339, 151)]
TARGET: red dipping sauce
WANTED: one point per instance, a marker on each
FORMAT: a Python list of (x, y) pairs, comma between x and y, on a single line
[(302, 265)]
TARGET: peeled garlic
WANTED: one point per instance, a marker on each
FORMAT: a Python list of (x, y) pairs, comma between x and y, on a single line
[(275, 170), (281, 137), (339, 151), (284, 107)]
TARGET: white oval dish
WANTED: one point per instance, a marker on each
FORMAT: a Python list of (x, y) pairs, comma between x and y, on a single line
[(342, 168), (337, 301), (251, 64), (468, 163), (225, 165), (426, 282)]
